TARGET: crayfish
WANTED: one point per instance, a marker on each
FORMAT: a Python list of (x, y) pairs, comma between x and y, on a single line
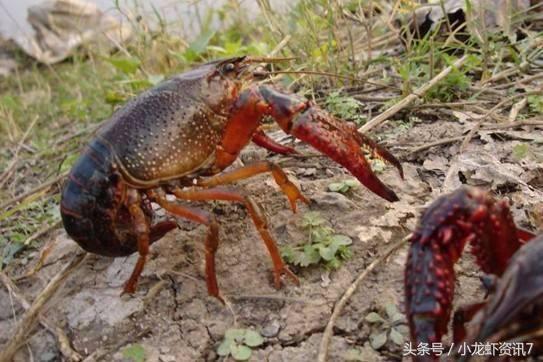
[(513, 256), (177, 139)]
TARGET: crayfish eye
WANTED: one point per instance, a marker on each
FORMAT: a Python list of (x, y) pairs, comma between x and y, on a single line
[(229, 67)]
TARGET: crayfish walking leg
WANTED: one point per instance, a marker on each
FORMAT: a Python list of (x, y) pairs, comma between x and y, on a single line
[(257, 216), (141, 229), (211, 241), (281, 179)]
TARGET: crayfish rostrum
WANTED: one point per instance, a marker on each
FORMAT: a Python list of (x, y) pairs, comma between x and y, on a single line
[(511, 256), (176, 139)]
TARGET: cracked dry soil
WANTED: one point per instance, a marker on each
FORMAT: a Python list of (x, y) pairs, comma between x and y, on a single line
[(171, 315)]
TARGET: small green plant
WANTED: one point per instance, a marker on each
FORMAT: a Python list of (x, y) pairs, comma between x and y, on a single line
[(536, 104), (238, 343), (10, 249), (323, 245), (134, 353), (520, 151), (345, 107), (456, 83), (196, 49), (408, 71), (523, 151), (362, 354), (343, 186), (378, 166), (126, 65), (128, 80), (387, 325)]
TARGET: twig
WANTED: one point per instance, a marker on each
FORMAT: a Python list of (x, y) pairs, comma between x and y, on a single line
[(44, 230), (328, 74), (30, 316), (436, 143), (518, 83), (487, 90), (499, 76), (515, 110), (62, 339), (184, 275), (89, 129), (153, 291), (497, 118), (419, 92), (36, 189), (491, 111), (372, 99), (44, 253), (280, 46), (7, 172), (447, 104), (526, 122), (328, 331), (230, 307), (488, 128)]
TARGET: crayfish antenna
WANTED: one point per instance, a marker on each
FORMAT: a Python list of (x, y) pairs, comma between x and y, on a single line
[(268, 60)]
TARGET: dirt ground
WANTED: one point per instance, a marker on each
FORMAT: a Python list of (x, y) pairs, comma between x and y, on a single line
[(171, 315)]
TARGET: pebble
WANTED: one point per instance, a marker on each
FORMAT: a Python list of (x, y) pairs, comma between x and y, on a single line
[(271, 329)]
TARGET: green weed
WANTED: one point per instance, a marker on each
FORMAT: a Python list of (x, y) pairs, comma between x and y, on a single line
[(343, 186), (323, 245), (134, 353), (345, 107), (387, 324), (536, 104), (238, 343)]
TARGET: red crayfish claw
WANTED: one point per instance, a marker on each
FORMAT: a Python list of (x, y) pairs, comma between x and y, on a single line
[(336, 139), (467, 215)]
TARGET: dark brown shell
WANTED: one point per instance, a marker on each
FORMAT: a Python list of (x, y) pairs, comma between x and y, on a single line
[(171, 130), (161, 136)]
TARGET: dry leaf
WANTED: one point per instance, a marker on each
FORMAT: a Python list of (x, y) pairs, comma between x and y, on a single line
[(466, 116), (481, 168), (436, 163), (369, 233), (400, 213)]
